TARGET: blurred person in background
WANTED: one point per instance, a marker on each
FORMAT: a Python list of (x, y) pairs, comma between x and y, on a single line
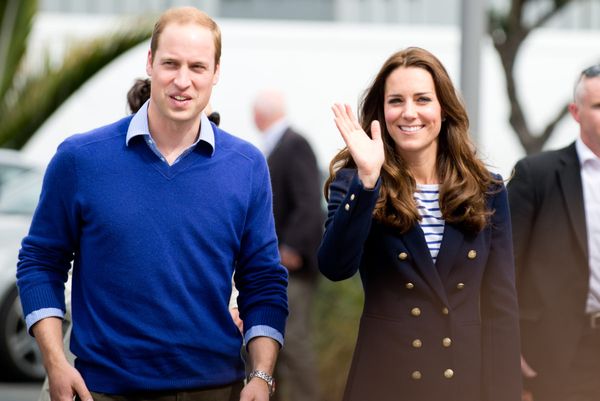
[(156, 211), (555, 206), (414, 210), (139, 93), (296, 183)]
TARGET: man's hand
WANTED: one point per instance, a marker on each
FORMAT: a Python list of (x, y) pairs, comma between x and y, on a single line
[(527, 370), (256, 390), (291, 259), (528, 373), (235, 316), (64, 380), (526, 396)]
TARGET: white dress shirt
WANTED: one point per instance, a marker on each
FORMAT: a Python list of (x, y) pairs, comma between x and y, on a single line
[(590, 178), (272, 136)]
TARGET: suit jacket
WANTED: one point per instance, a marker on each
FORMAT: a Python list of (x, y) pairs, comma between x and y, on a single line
[(551, 257), (296, 183), (444, 332)]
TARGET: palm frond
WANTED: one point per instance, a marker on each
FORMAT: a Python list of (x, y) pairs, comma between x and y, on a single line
[(16, 19), (26, 108)]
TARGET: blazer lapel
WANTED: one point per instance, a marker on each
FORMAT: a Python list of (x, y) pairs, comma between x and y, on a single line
[(451, 243), (570, 182), (415, 243)]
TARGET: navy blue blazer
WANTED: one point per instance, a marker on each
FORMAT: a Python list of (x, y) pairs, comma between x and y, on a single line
[(552, 261), (444, 332)]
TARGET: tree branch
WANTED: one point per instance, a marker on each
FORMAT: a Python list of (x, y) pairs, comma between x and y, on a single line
[(549, 130), (516, 32), (558, 6)]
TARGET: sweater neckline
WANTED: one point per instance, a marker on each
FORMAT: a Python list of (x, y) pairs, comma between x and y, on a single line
[(170, 171)]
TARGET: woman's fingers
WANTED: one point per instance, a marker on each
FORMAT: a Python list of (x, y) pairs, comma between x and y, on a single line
[(343, 121), (375, 130), (352, 117), (340, 126), (345, 118)]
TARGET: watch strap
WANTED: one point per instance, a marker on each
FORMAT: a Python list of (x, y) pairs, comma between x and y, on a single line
[(266, 377)]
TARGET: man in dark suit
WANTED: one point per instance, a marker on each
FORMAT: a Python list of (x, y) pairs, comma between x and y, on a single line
[(298, 214), (555, 205)]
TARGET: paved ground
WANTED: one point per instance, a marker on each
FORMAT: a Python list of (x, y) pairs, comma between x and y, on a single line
[(19, 391)]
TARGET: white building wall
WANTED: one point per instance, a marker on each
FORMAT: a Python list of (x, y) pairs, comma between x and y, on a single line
[(317, 64)]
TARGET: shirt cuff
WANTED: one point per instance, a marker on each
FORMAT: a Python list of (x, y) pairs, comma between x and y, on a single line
[(263, 331), (40, 314)]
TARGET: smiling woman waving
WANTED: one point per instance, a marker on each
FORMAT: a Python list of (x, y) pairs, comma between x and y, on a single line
[(415, 211)]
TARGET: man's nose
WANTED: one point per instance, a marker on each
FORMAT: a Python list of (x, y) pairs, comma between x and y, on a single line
[(182, 80)]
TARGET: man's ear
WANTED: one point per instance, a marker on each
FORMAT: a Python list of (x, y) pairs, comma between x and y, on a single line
[(574, 110), (217, 73), (149, 63)]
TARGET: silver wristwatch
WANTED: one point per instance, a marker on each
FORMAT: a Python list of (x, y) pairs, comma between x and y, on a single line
[(266, 377)]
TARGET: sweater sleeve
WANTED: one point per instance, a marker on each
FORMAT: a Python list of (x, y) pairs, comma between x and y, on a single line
[(259, 276), (349, 217), (47, 251)]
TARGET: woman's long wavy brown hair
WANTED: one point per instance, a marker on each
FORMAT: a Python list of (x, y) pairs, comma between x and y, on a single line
[(464, 179)]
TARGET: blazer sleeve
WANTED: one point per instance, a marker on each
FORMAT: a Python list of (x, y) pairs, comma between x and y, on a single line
[(303, 225), (521, 198), (499, 311), (349, 217)]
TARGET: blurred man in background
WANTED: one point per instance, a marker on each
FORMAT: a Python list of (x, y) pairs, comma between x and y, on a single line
[(555, 205), (296, 185)]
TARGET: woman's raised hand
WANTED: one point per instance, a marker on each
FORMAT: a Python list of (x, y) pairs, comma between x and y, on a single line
[(366, 152)]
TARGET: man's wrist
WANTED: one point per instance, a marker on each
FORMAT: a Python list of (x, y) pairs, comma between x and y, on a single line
[(264, 376)]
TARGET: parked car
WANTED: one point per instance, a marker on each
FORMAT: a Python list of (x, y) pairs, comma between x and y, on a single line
[(20, 184)]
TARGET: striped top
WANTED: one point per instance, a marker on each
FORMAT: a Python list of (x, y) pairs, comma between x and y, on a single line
[(427, 198)]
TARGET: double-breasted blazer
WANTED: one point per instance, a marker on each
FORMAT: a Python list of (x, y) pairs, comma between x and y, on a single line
[(428, 332), (551, 257)]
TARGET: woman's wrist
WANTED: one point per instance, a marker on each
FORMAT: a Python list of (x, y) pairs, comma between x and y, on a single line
[(368, 181)]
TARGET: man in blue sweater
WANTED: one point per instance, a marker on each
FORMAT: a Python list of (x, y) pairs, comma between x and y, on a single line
[(156, 212)]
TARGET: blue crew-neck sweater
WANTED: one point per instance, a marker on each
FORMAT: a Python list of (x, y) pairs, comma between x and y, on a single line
[(154, 248)]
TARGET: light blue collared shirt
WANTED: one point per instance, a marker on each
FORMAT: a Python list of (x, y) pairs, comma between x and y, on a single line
[(139, 127)]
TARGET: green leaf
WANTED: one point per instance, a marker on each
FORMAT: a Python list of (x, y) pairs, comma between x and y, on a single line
[(25, 107), (16, 19)]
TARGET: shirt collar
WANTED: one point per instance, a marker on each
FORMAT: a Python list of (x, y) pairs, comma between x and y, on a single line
[(584, 153), (272, 135), (139, 126)]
